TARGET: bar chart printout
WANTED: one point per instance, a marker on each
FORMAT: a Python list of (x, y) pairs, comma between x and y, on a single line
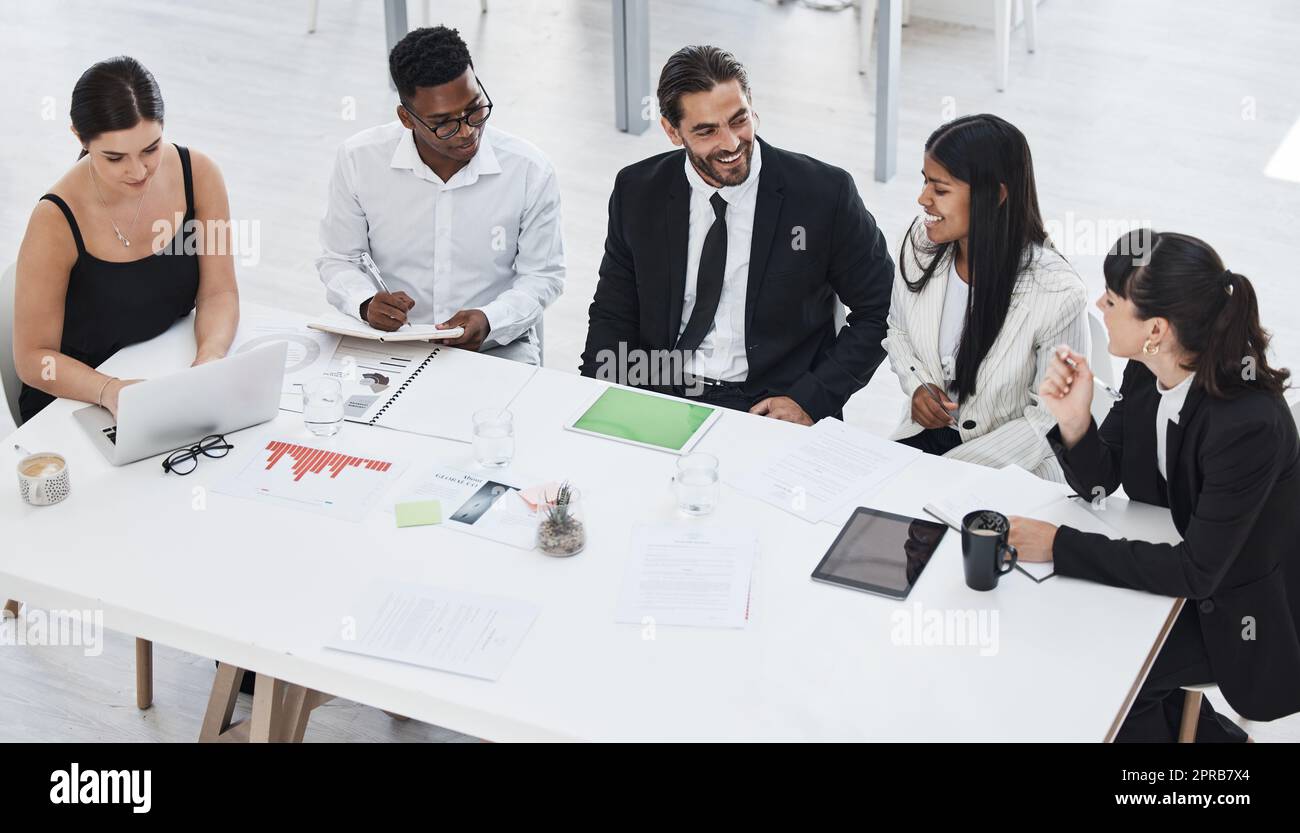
[(335, 483)]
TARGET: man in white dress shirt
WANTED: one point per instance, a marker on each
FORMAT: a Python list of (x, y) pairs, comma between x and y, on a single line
[(461, 219)]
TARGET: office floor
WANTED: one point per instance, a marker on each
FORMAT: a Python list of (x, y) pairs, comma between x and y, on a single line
[(1165, 112)]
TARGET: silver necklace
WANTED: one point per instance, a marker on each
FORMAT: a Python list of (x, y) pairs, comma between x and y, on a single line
[(131, 228)]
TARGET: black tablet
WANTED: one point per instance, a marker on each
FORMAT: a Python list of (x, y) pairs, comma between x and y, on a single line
[(880, 552)]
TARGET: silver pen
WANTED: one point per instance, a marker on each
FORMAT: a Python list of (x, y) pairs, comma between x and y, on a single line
[(929, 388), (1114, 394), (371, 269)]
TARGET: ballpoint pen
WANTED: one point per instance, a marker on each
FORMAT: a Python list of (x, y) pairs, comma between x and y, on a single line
[(372, 270), (1114, 394), (952, 423)]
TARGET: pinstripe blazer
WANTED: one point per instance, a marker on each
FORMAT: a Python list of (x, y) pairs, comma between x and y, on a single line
[(1003, 422)]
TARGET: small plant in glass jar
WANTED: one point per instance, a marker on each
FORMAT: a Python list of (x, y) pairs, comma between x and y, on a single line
[(561, 530)]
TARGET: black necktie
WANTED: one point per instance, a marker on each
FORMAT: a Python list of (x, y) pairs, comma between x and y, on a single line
[(708, 283)]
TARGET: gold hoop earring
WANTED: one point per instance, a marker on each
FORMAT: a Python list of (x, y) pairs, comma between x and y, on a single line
[(1148, 349)]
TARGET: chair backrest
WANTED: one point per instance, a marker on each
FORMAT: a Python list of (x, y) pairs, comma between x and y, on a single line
[(541, 335), (1103, 366), (8, 371), (1295, 412), (1099, 358), (841, 315)]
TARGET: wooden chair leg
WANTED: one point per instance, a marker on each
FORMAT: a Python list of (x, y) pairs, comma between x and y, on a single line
[(221, 702), (1191, 715), (11, 609), (143, 673)]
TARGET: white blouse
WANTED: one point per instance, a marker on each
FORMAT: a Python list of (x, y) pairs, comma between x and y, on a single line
[(1171, 402)]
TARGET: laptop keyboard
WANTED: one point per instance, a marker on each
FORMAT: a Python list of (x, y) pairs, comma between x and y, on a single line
[(111, 433)]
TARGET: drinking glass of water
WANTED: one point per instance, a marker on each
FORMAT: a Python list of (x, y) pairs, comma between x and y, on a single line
[(322, 406), (696, 483), (494, 437)]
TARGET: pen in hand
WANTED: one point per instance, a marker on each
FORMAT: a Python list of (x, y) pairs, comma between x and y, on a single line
[(929, 388), (371, 269), (1111, 392)]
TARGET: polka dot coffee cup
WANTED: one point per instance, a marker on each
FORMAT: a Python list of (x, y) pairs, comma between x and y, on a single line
[(43, 478)]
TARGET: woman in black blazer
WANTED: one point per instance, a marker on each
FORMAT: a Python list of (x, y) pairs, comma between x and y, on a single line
[(1203, 429)]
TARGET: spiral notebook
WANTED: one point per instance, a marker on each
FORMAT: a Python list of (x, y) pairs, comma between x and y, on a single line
[(422, 389)]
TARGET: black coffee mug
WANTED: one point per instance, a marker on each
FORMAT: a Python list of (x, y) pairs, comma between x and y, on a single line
[(984, 548)]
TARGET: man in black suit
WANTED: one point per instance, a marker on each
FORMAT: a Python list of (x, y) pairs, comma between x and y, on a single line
[(724, 262)]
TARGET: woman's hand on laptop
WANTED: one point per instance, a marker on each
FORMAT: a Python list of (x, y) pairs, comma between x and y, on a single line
[(111, 391)]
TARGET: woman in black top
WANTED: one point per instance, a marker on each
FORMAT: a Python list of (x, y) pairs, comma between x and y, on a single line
[(1203, 429), (132, 238)]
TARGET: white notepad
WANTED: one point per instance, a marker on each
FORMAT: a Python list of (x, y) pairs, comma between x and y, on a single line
[(409, 332)]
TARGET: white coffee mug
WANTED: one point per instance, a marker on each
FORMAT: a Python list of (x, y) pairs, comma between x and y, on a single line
[(43, 478)]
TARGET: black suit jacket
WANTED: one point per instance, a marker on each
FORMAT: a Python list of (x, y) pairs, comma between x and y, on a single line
[(1234, 493), (813, 240)]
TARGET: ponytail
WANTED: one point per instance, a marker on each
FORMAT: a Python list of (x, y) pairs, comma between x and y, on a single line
[(1213, 311)]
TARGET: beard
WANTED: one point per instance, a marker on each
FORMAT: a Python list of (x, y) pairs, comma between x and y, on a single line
[(709, 166)]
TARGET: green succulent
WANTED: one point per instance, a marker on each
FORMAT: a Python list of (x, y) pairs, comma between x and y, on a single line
[(557, 512)]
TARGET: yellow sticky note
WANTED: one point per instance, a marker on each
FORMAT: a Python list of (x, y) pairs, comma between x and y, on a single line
[(418, 513)]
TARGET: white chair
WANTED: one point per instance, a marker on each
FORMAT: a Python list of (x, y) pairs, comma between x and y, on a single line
[(8, 372), (841, 316), (9, 380), (867, 30), (1003, 14), (1003, 18), (1103, 367)]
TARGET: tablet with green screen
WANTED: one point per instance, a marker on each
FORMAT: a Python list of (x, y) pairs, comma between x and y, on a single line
[(646, 419)]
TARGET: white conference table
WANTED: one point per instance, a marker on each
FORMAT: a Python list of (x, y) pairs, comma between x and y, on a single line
[(259, 587)]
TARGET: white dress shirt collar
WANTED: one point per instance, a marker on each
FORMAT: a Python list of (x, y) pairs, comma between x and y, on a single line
[(483, 163)]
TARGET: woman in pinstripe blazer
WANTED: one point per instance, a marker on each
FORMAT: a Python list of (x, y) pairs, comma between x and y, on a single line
[(980, 300)]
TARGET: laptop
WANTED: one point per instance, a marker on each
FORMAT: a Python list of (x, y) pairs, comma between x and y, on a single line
[(171, 412)]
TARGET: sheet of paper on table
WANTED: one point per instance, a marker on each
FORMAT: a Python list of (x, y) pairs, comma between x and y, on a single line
[(476, 505), (295, 476), (447, 630), (834, 464), (309, 355), (688, 574)]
